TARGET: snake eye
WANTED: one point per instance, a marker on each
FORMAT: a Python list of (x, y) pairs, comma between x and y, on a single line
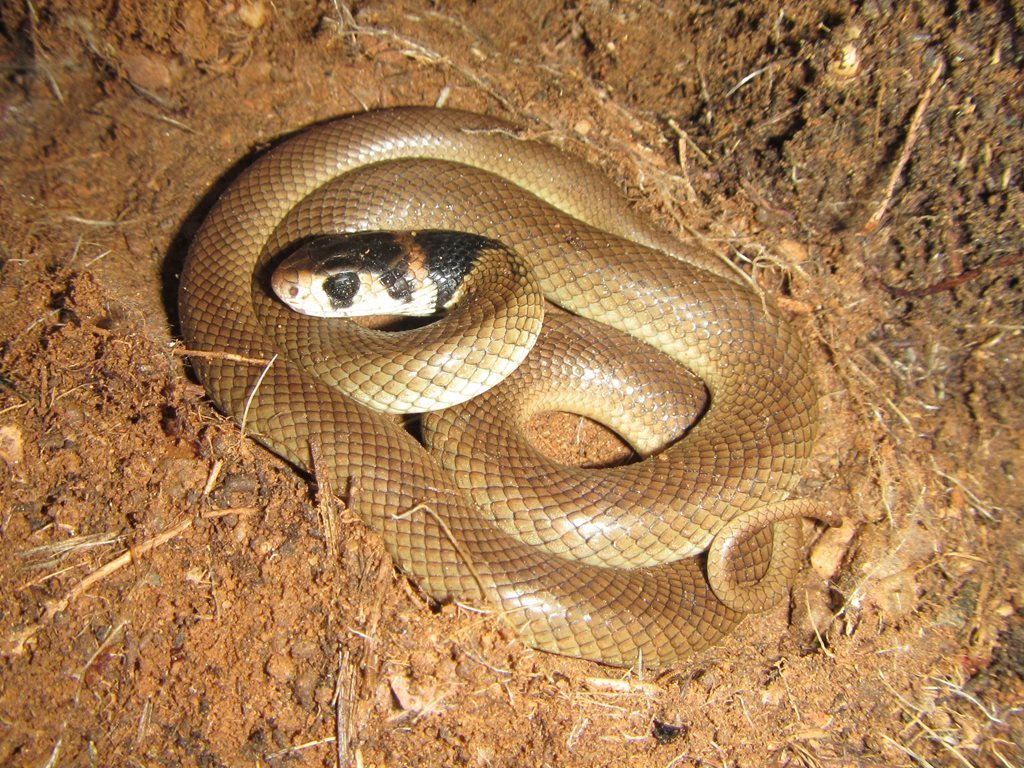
[(341, 288)]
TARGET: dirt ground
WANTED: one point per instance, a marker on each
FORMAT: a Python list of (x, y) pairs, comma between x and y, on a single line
[(172, 594)]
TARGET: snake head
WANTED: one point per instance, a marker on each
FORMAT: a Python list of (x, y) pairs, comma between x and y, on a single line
[(417, 274), (355, 275)]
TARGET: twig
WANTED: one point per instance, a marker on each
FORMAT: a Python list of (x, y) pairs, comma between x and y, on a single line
[(908, 145), (231, 357), (211, 480), (15, 643), (948, 283), (325, 499), (44, 66), (252, 395), (293, 750), (618, 685), (213, 514), (747, 78), (422, 507), (341, 715), (107, 642), (814, 624)]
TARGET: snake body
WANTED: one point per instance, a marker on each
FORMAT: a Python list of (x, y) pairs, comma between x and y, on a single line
[(643, 563)]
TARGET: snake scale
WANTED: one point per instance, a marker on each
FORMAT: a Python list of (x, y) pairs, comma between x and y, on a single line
[(643, 563)]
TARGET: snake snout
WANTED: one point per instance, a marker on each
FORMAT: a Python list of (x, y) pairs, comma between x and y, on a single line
[(292, 287)]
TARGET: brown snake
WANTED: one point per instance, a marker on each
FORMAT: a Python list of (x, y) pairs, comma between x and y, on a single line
[(676, 548)]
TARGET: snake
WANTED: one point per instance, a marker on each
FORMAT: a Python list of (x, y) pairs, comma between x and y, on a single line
[(641, 564)]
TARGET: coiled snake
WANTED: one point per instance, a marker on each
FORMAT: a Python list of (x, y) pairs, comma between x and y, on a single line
[(642, 563)]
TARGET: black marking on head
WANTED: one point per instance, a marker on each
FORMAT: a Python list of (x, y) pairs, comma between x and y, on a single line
[(340, 259), (398, 283), (382, 254), (450, 256), (373, 252), (341, 288)]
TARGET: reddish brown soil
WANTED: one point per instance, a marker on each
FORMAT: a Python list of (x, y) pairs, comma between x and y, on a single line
[(862, 161)]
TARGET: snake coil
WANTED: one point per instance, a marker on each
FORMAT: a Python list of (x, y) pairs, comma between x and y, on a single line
[(644, 563)]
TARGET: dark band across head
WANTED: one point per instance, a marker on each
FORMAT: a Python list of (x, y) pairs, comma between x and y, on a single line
[(342, 288)]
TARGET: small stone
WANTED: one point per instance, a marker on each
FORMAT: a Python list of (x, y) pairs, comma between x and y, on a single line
[(895, 595), (12, 445), (148, 72), (828, 552), (242, 530), (34, 514), (403, 695), (304, 649), (846, 64), (254, 73), (253, 15), (666, 733), (243, 483), (180, 476), (280, 668), (812, 614), (304, 686), (324, 696), (792, 252)]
